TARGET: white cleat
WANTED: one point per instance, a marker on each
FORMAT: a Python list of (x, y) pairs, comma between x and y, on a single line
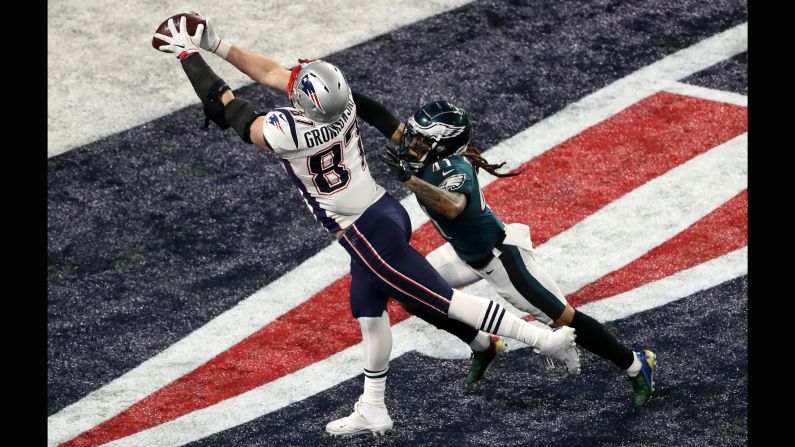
[(560, 346), (365, 418)]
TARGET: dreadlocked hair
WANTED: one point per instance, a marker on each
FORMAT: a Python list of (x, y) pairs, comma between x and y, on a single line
[(473, 154)]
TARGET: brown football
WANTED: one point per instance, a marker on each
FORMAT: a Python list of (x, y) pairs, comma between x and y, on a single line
[(193, 20)]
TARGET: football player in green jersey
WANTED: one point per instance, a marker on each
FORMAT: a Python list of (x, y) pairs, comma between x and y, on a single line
[(436, 159)]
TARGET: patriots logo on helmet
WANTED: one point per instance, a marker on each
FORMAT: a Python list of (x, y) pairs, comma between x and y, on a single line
[(453, 182), (306, 86)]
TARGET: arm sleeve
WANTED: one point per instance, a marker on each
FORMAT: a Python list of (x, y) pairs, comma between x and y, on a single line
[(375, 114)]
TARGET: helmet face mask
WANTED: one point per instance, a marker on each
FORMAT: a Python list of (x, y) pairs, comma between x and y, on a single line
[(436, 131), (319, 90), (416, 147)]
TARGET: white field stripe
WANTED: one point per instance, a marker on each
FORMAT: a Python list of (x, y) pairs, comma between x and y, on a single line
[(292, 289), (653, 209), (707, 93), (648, 216), (659, 293), (408, 335), (215, 337), (596, 107), (633, 210), (145, 83)]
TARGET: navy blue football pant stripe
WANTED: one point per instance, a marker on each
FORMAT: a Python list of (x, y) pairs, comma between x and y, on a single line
[(529, 287), (368, 296), (383, 263)]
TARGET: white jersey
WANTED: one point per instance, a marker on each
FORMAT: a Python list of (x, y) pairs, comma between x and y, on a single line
[(326, 162)]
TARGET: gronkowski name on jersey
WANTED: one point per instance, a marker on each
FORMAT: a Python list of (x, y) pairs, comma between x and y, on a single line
[(326, 162)]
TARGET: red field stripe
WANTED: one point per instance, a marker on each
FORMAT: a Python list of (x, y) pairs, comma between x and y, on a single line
[(310, 332), (716, 234), (555, 191), (565, 185)]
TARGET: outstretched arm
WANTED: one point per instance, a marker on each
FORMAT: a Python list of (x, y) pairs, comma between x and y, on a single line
[(219, 101), (447, 203), (262, 69), (246, 119), (378, 116)]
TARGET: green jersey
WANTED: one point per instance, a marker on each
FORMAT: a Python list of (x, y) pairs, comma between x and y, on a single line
[(476, 230)]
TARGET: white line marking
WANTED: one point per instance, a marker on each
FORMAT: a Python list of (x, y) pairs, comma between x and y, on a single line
[(707, 93), (143, 84), (648, 216), (659, 293), (596, 107), (407, 335), (255, 311)]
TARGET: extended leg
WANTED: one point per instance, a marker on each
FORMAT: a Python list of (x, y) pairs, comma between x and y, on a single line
[(410, 277), (521, 280), (368, 305)]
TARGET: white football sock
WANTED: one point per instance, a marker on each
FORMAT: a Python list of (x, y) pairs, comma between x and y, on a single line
[(377, 343), (374, 389), (488, 316), (634, 368)]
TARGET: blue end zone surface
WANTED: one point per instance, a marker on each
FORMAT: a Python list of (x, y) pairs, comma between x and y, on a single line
[(700, 399), (730, 75), (155, 231)]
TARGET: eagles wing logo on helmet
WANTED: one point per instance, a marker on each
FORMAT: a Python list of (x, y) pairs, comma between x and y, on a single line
[(453, 182), (306, 86), (438, 130), (445, 124)]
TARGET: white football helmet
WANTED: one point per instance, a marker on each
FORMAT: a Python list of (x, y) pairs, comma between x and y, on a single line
[(319, 90)]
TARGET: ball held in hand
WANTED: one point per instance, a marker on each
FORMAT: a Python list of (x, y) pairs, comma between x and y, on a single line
[(193, 21)]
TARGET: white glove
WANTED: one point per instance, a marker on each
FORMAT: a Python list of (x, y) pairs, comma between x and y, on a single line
[(181, 42), (212, 42)]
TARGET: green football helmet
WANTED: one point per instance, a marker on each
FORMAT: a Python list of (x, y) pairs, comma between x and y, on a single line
[(436, 131)]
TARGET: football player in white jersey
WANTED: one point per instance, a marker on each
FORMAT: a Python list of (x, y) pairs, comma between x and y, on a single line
[(318, 144)]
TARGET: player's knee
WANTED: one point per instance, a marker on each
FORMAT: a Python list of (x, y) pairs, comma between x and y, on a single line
[(367, 309)]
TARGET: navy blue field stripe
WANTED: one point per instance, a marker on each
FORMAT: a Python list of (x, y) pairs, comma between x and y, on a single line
[(730, 75), (154, 231), (701, 396)]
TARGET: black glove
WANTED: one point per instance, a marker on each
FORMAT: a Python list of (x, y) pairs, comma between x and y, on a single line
[(401, 167)]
